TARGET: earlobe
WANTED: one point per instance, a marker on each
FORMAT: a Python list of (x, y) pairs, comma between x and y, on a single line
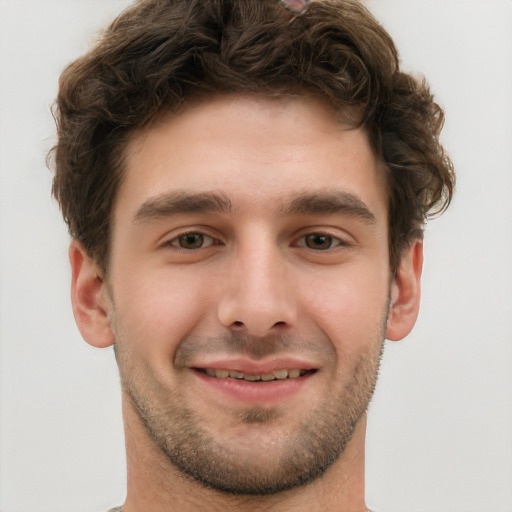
[(405, 293), (89, 298)]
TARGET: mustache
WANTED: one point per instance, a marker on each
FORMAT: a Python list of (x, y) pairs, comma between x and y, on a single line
[(235, 343)]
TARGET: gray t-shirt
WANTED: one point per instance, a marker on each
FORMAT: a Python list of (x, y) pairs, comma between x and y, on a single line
[(118, 509)]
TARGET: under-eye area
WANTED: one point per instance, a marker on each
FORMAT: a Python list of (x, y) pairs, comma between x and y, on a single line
[(284, 374)]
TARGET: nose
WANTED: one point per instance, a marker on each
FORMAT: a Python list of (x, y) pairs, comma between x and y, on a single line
[(257, 293)]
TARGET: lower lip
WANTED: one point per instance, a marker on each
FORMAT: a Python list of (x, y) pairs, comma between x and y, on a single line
[(255, 392)]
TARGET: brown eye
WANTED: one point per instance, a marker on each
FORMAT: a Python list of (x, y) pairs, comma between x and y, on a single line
[(319, 242), (190, 241)]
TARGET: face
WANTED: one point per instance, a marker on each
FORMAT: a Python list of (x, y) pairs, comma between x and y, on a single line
[(249, 287)]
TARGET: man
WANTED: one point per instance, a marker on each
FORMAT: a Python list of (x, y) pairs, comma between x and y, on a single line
[(246, 184)]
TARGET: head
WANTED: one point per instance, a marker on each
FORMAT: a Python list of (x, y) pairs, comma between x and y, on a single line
[(160, 55), (294, 151)]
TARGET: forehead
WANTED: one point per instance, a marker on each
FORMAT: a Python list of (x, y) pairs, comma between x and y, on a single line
[(257, 150)]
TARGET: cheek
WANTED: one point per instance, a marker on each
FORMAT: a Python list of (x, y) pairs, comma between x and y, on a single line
[(350, 306), (156, 311)]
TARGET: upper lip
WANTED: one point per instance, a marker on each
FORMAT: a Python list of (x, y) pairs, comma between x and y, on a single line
[(251, 366)]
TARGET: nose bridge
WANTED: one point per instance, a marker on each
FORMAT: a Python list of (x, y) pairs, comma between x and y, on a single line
[(257, 296)]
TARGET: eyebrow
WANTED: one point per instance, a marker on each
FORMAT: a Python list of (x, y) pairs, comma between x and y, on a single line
[(181, 201), (331, 202), (307, 203)]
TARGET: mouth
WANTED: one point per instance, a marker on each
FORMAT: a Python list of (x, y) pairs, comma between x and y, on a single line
[(275, 375), (248, 382)]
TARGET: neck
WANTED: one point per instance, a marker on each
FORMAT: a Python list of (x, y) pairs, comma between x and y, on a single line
[(156, 485)]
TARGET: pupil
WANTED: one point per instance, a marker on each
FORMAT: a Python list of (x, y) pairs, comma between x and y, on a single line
[(191, 241), (318, 241)]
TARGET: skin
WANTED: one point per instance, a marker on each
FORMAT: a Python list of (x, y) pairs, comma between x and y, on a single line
[(292, 270)]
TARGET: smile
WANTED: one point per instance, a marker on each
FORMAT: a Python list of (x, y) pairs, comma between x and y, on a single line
[(283, 374)]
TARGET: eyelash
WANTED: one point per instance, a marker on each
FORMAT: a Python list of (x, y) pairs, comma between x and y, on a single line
[(335, 242), (175, 241)]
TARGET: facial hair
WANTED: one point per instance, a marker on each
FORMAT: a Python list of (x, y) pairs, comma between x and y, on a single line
[(290, 458)]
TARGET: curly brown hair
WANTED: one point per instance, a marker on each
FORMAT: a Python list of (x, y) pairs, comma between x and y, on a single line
[(160, 53)]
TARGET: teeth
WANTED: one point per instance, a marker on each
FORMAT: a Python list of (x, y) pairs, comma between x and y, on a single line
[(266, 377), (252, 377), (281, 374)]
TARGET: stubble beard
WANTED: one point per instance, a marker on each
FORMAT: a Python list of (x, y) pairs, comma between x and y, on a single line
[(300, 456)]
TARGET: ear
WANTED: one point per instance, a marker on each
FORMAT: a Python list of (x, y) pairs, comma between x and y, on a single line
[(89, 297), (405, 293)]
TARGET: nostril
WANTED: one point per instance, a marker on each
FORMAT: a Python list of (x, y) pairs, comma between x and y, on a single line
[(238, 324)]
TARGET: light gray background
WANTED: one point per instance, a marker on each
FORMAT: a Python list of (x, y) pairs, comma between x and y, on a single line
[(440, 429)]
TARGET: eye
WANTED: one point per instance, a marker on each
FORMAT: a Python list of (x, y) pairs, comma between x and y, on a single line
[(320, 241), (191, 241)]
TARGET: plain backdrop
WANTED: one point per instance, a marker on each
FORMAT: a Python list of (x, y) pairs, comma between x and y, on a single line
[(440, 425)]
